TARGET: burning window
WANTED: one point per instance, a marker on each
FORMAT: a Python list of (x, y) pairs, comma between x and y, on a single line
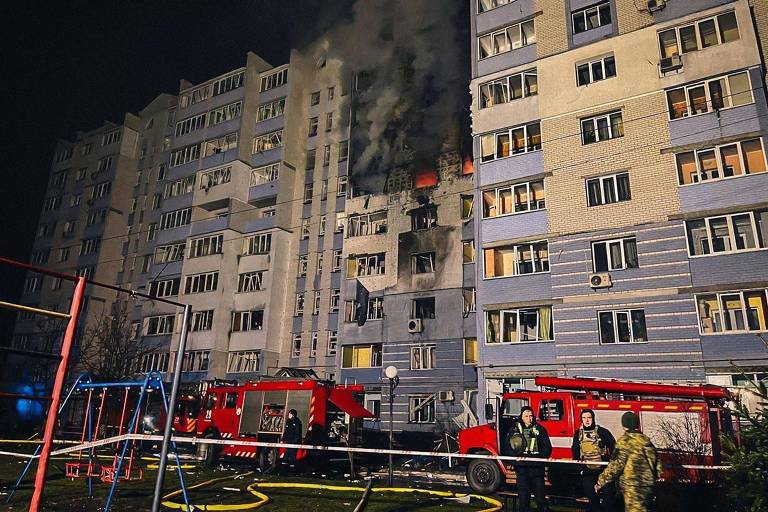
[(423, 263), (423, 308), (424, 218), (425, 178)]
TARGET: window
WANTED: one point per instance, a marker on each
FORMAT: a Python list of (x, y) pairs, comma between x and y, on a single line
[(324, 189), (518, 198), (185, 155), (165, 288), (69, 228), (265, 174), (151, 231), (326, 157), (515, 260), (699, 35), (423, 357), (365, 224), (519, 325), (470, 351), (157, 325), (215, 177), (305, 228), (257, 244), (506, 39), (90, 245), (361, 356), (720, 162), (328, 123), (341, 186), (250, 281), (313, 122), (609, 189), (591, 17), (296, 345), (469, 296), (603, 127), (81, 173), (111, 137), (423, 308), (375, 309), (313, 344), (551, 410), (331, 93), (423, 263), (508, 88), (468, 251), (319, 263), (270, 110), (46, 229), (196, 361), (424, 218), (202, 320), (191, 124), (33, 284), (622, 326), (335, 300), (619, 254), (243, 361), (168, 253), (59, 180), (372, 402), (64, 154), (299, 309), (366, 265), (736, 311), (421, 408), (201, 283), (179, 187), (333, 342), (96, 217), (176, 218), (512, 141), (220, 144), (63, 254), (225, 113), (596, 70), (51, 203), (308, 190), (710, 95), (343, 150), (228, 83), (40, 257), (303, 264), (336, 261), (247, 320), (341, 221), (487, 5), (274, 80), (728, 233), (316, 302), (206, 246), (467, 206), (314, 98), (154, 361), (100, 190), (267, 141), (311, 157)]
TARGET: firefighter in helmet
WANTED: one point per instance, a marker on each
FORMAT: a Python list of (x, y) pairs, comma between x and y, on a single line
[(593, 443), (634, 464), (526, 438)]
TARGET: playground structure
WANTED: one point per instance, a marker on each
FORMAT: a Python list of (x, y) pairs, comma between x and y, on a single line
[(116, 472)]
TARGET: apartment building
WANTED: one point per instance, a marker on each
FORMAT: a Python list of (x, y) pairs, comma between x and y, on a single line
[(622, 185)]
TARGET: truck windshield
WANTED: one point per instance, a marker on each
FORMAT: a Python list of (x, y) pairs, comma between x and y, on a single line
[(512, 406)]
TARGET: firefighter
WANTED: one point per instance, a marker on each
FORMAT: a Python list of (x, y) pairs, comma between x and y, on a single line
[(292, 435), (593, 443), (635, 464), (526, 438)]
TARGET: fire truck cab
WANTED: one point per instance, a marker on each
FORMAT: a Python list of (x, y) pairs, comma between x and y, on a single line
[(669, 415), (257, 411)]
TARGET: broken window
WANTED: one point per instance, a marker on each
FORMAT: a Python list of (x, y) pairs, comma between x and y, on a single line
[(421, 408), (423, 263), (518, 259), (367, 224), (423, 357), (467, 206), (424, 218), (423, 308), (366, 265)]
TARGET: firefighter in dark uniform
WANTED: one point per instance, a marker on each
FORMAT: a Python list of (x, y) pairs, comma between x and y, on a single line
[(634, 464), (292, 435), (593, 443), (527, 438)]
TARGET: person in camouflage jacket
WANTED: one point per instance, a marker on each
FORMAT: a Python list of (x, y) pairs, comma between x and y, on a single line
[(635, 464)]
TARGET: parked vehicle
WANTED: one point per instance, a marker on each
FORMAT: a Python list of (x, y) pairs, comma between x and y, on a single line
[(684, 422)]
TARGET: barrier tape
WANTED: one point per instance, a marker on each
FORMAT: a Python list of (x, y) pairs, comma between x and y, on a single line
[(344, 449)]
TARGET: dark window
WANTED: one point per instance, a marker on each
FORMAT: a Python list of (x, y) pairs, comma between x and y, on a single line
[(423, 308)]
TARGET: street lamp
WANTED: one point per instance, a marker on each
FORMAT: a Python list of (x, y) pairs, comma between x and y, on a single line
[(391, 373)]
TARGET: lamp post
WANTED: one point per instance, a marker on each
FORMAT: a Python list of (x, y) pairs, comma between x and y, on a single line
[(394, 380)]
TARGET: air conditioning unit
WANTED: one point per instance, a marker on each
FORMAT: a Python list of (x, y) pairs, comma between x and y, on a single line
[(670, 63), (415, 325), (602, 280), (656, 5), (445, 396)]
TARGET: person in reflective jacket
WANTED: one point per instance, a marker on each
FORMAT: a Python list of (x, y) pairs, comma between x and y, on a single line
[(593, 443), (526, 438)]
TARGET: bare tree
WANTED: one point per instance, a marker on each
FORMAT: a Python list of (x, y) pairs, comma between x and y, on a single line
[(681, 436)]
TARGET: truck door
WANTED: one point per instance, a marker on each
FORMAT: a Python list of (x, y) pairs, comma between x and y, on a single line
[(552, 414)]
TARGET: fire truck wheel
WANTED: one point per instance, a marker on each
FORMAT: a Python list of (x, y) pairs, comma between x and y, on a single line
[(484, 476), (268, 459), (211, 455)]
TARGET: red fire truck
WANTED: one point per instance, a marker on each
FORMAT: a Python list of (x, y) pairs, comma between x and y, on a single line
[(256, 411), (669, 414)]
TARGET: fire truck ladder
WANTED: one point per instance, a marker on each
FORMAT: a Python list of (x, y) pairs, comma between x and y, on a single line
[(706, 392)]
